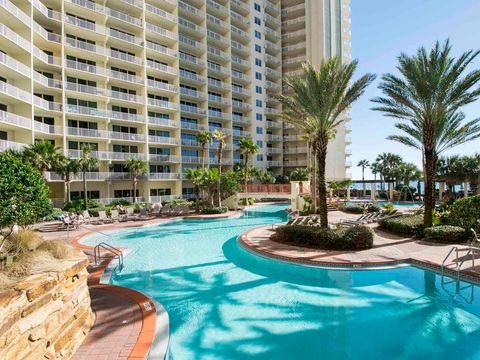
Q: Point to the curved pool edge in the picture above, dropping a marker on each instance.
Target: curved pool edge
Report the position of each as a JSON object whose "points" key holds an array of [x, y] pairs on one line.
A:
{"points": [[245, 243], [154, 335]]}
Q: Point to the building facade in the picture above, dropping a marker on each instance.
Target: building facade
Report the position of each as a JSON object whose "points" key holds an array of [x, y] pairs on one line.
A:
{"points": [[140, 79]]}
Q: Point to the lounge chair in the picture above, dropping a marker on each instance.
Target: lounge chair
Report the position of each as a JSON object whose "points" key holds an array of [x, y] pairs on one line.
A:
{"points": [[114, 216], [156, 209], [166, 210], [103, 218], [87, 218]]}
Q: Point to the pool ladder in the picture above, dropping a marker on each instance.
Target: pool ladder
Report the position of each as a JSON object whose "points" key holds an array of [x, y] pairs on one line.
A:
{"points": [[117, 253]]}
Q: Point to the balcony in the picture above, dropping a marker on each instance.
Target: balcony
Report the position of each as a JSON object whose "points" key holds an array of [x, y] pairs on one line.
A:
{"points": [[271, 86], [193, 94], [89, 133], [192, 77], [48, 13], [164, 69], [47, 59], [190, 142], [11, 145], [92, 69], [14, 65], [218, 115], [217, 38], [126, 57], [218, 84], [117, 135], [217, 54], [240, 7], [15, 120], [118, 15], [219, 100], [161, 32], [15, 92], [163, 158], [14, 38], [162, 140], [274, 163], [85, 89], [192, 29], [191, 126], [123, 116], [161, 13], [269, 59], [161, 122], [239, 20], [273, 125], [240, 35], [271, 21], [191, 60], [190, 11], [85, 110], [85, 25], [193, 160], [119, 75], [120, 95], [192, 109], [241, 119], [164, 176], [241, 133], [161, 49], [83, 45], [161, 85], [241, 105], [192, 45], [217, 8], [167, 105], [271, 137], [47, 129], [125, 156], [132, 40], [272, 48], [46, 35]]}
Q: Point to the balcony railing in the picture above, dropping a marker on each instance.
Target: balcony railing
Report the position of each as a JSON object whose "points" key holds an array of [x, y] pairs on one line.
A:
{"points": [[91, 133], [16, 120], [72, 64], [48, 129], [15, 92]]}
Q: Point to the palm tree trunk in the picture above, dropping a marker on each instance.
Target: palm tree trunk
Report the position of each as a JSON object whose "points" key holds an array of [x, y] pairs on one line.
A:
{"points": [[203, 156], [429, 187], [364, 185], [313, 185], [68, 190], [134, 195], [245, 175], [220, 159], [322, 187], [85, 197]]}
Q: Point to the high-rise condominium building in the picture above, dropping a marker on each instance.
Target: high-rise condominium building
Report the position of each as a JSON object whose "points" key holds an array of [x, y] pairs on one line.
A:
{"points": [[140, 79]]}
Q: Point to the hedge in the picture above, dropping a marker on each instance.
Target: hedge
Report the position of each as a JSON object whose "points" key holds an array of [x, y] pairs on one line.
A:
{"points": [[214, 210], [355, 238], [353, 209], [446, 234], [405, 225], [465, 213]]}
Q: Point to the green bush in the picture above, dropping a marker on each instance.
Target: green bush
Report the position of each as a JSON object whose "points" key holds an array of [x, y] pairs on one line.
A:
{"points": [[388, 206], [78, 205], [94, 211], [178, 202], [54, 215], [352, 209], [214, 210], [23, 192], [446, 234], [372, 208], [356, 238], [465, 213], [121, 202], [405, 225]]}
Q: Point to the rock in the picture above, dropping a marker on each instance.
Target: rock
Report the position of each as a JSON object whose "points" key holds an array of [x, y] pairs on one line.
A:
{"points": [[40, 289], [36, 305]]}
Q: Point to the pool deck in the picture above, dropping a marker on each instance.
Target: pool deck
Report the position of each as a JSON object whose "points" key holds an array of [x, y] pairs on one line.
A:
{"points": [[125, 328], [388, 250]]}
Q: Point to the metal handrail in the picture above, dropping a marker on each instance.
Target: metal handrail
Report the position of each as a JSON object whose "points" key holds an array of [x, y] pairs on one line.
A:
{"points": [[116, 251]]}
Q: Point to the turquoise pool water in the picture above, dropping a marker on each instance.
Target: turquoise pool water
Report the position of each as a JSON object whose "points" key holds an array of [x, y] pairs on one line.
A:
{"points": [[225, 303]]}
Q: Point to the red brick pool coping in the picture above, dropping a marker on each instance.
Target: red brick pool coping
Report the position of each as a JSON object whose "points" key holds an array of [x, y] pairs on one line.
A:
{"points": [[388, 250], [146, 333]]}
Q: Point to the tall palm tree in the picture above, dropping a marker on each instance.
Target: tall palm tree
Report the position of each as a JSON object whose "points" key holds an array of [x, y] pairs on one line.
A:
{"points": [[247, 148], [68, 169], [427, 98], [204, 138], [472, 167], [136, 168], [364, 164], [43, 155], [388, 163], [317, 106], [195, 176], [87, 163], [220, 137]]}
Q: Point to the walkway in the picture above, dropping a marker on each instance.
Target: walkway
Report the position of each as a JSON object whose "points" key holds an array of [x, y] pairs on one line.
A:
{"points": [[388, 249]]}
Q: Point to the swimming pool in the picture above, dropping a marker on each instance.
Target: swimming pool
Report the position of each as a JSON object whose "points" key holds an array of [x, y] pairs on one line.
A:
{"points": [[226, 303], [396, 203]]}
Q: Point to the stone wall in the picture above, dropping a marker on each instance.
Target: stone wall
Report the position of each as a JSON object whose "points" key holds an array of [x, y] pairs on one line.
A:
{"points": [[46, 316]]}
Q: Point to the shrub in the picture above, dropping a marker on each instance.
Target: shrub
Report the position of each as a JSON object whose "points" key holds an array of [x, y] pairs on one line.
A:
{"points": [[388, 206], [359, 237], [251, 201], [405, 225], [59, 249], [372, 208], [465, 213], [446, 234], [23, 192], [54, 215], [352, 209], [178, 202], [94, 211], [78, 205], [214, 210], [121, 202]]}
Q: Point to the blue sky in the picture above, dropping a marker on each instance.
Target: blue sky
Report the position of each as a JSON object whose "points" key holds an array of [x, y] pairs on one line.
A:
{"points": [[381, 30]]}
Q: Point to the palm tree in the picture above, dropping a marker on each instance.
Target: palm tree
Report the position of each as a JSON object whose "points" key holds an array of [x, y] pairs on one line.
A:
{"points": [[220, 137], [364, 164], [247, 148], [427, 98], [136, 168], [317, 107], [388, 163], [472, 167], [68, 169], [195, 176], [204, 138], [87, 163], [43, 155]]}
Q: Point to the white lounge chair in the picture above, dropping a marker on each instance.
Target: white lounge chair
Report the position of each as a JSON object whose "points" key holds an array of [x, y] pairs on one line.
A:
{"points": [[114, 216], [102, 216]]}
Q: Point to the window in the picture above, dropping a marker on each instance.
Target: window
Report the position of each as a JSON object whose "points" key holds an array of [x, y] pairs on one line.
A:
{"points": [[258, 21], [258, 103], [259, 117], [258, 62], [258, 34], [91, 194], [258, 89], [258, 76], [257, 7], [160, 192], [260, 144], [121, 194], [259, 130], [259, 157], [258, 48]]}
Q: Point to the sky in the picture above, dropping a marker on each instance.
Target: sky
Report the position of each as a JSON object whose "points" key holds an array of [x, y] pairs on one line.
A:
{"points": [[381, 30]]}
